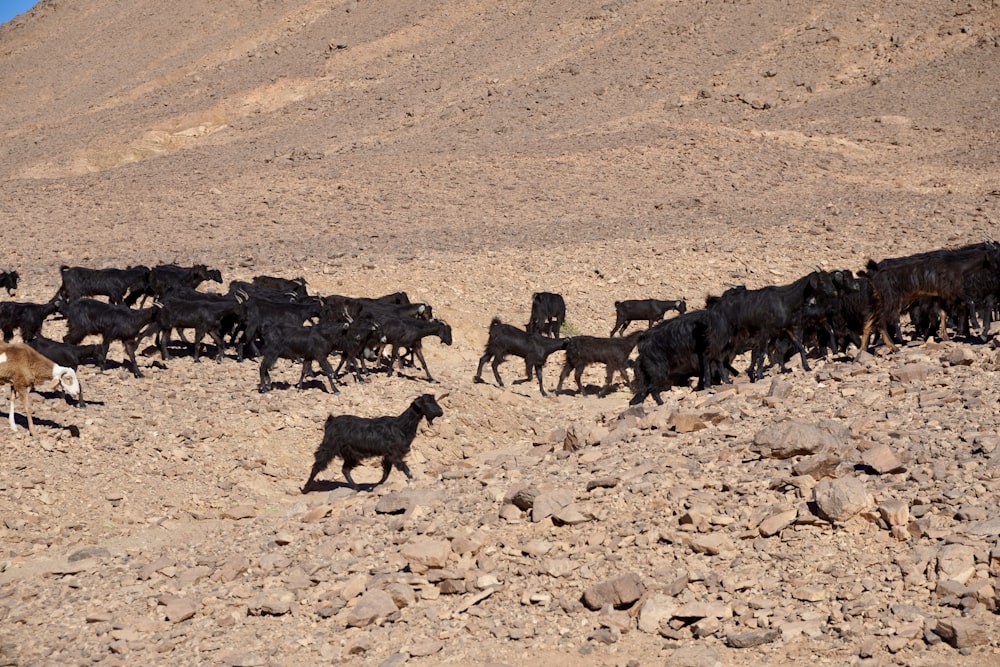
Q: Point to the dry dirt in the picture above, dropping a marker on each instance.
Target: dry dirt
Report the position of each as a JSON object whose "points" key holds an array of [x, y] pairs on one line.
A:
{"points": [[472, 153]]}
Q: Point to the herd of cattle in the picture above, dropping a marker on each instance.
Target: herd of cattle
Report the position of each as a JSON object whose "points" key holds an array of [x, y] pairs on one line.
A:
{"points": [[271, 318]]}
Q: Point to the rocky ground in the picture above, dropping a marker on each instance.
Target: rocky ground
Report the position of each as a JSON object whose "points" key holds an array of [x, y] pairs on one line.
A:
{"points": [[472, 154]]}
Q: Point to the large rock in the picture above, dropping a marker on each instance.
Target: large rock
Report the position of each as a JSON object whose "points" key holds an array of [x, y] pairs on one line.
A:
{"points": [[883, 460], [963, 632], [375, 606], [787, 439], [618, 592], [841, 499], [424, 553], [956, 562], [655, 610]]}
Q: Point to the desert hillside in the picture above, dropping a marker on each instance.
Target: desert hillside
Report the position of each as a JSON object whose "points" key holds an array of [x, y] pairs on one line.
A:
{"points": [[472, 154]]}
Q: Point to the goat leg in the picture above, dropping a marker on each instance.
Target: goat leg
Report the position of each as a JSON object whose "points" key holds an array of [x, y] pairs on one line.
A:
{"points": [[327, 369], [563, 375], [496, 369], [418, 351], [403, 468], [265, 376], [538, 372], [24, 396], [478, 377], [610, 376], [346, 469], [130, 346], [10, 415], [386, 469]]}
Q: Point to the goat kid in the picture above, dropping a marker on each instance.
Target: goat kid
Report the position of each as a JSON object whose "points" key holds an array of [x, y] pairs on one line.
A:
{"points": [[8, 280], [505, 339], [548, 312], [581, 351], [651, 310]]}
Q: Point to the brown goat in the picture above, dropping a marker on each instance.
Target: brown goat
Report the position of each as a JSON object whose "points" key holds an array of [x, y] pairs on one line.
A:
{"points": [[23, 368]]}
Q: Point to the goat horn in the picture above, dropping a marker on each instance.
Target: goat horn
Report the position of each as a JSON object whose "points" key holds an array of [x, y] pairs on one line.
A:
{"points": [[444, 396]]}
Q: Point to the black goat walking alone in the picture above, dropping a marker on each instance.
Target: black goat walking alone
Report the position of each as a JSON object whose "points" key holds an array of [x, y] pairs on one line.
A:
{"points": [[355, 438]]}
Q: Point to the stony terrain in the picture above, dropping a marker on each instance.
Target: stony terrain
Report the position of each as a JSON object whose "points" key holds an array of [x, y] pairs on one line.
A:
{"points": [[473, 153]]}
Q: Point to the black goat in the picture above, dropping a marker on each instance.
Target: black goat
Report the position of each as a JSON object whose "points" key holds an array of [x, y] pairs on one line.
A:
{"points": [[166, 278], [293, 287], [8, 280], [939, 273], [356, 438], [315, 344], [409, 333], [651, 310], [213, 315], [363, 337], [582, 351], [119, 285], [505, 339], [112, 322], [70, 356], [263, 313], [671, 353], [28, 317], [751, 319], [548, 312]]}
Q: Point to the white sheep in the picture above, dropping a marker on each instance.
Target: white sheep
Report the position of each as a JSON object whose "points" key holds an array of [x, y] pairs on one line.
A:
{"points": [[23, 368]]}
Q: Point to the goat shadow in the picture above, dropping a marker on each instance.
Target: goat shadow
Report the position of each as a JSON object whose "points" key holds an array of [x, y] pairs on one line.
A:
{"points": [[592, 390], [21, 420], [321, 485], [318, 383], [56, 394], [178, 350], [413, 378]]}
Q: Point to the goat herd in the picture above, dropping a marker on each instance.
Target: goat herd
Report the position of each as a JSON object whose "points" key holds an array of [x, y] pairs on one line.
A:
{"points": [[274, 318]]}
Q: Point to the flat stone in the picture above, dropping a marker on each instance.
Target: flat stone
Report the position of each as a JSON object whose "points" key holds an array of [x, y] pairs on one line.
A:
{"points": [[655, 610], [704, 610], [426, 648], [424, 553], [551, 502], [89, 552], [180, 609], [618, 592], [277, 602], [752, 638], [883, 460], [911, 373], [787, 439], [240, 512], [956, 562], [695, 655], [988, 527], [712, 544], [962, 632], [374, 607], [776, 523]]}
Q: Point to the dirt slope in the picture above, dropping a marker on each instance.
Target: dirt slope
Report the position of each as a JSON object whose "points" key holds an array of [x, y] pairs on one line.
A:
{"points": [[473, 153]]}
